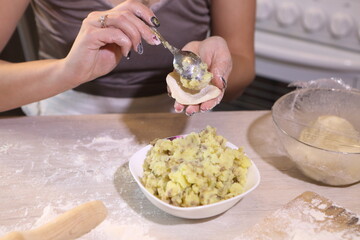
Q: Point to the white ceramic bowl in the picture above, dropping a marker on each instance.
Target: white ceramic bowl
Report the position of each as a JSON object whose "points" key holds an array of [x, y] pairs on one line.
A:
{"points": [[205, 211]]}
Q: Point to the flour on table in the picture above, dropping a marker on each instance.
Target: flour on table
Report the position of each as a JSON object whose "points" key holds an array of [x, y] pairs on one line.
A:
{"points": [[113, 231], [4, 148], [307, 220], [58, 184], [109, 229], [107, 143]]}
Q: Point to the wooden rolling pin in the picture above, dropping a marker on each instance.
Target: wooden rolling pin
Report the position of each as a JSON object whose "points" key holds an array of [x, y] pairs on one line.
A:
{"points": [[69, 225]]}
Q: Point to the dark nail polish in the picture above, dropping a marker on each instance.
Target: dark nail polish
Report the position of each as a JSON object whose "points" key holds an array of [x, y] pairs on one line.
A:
{"points": [[168, 91], [156, 40], [224, 83], [189, 114], [155, 21], [128, 55], [140, 49]]}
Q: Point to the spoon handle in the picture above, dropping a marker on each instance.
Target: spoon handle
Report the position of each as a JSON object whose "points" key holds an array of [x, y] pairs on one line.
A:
{"points": [[165, 43]]}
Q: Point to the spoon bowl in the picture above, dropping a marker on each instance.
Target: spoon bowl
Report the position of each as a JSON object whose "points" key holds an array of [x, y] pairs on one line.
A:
{"points": [[187, 64]]}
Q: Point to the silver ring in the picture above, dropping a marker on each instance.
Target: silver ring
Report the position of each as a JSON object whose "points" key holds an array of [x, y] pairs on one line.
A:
{"points": [[102, 21]]}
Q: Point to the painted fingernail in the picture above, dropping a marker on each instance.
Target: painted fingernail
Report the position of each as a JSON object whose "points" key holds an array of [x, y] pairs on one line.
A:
{"points": [[140, 49], [156, 40], [155, 21], [204, 110], [224, 83], [189, 114], [128, 55], [169, 92]]}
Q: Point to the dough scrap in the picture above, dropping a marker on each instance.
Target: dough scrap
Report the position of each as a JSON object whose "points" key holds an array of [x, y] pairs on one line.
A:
{"points": [[187, 96]]}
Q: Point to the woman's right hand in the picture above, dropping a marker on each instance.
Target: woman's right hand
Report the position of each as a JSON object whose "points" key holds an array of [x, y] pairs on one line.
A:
{"points": [[98, 48], [95, 52]]}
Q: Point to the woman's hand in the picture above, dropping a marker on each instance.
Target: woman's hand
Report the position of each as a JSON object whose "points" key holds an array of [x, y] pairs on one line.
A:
{"points": [[215, 53], [105, 37]]}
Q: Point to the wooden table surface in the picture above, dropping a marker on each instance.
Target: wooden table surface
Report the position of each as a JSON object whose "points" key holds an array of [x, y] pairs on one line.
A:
{"points": [[50, 164]]}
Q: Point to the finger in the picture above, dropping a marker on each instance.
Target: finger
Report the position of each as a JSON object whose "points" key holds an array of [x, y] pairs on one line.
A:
{"points": [[192, 109], [109, 19], [168, 91], [125, 22], [132, 26], [103, 36], [220, 65], [178, 107], [193, 46], [210, 104], [141, 11], [219, 60], [147, 17]]}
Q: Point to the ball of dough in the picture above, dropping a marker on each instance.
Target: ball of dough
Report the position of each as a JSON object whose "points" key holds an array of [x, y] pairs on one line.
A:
{"points": [[188, 96], [332, 133]]}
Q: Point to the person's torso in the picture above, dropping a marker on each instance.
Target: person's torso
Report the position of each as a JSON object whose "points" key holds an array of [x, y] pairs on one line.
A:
{"points": [[59, 21]]}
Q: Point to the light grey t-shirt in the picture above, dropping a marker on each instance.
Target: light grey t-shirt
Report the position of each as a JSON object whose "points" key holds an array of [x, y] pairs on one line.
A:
{"points": [[59, 21]]}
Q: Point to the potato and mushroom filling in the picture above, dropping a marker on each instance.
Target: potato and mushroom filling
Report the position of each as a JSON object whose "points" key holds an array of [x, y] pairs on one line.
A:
{"points": [[195, 170], [194, 83]]}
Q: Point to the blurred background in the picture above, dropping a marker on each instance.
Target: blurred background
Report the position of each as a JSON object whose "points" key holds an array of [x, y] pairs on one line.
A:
{"points": [[294, 41]]}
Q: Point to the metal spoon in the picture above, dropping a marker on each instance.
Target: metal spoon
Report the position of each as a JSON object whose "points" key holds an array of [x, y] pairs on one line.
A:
{"points": [[186, 63]]}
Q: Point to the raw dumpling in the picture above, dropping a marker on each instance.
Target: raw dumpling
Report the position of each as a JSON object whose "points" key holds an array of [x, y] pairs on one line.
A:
{"points": [[188, 96]]}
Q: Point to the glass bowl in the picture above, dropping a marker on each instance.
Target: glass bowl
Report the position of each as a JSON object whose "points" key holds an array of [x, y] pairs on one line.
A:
{"points": [[296, 118]]}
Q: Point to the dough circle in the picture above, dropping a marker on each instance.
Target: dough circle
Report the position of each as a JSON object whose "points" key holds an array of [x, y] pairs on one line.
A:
{"points": [[187, 96]]}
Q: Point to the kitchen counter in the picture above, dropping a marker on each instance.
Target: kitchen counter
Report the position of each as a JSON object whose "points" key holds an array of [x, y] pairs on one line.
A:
{"points": [[50, 164]]}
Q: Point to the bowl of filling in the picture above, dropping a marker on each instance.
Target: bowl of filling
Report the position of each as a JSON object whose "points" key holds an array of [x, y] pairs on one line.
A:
{"points": [[194, 176], [320, 131]]}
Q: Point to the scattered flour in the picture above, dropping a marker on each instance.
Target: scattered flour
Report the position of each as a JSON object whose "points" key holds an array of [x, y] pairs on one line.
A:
{"points": [[109, 229], [57, 184], [114, 231], [302, 221], [316, 202], [49, 213], [322, 206], [316, 215], [309, 234], [5, 148], [93, 161], [106, 143]]}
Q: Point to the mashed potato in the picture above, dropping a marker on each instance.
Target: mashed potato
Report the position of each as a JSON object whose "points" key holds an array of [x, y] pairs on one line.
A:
{"points": [[195, 170], [194, 83], [198, 84]]}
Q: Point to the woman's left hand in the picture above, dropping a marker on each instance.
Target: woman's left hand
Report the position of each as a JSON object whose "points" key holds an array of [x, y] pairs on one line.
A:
{"points": [[215, 53]]}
